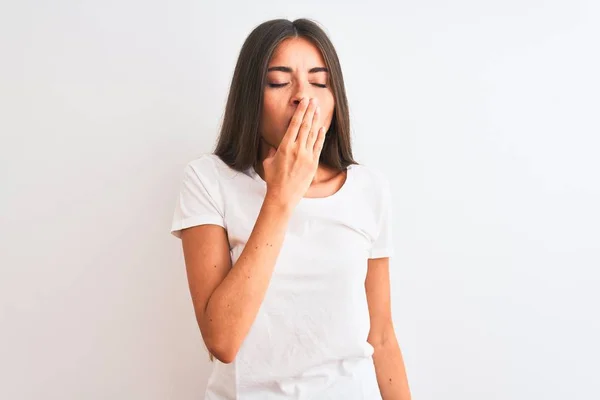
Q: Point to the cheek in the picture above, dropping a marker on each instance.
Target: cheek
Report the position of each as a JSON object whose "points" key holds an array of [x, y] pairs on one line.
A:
{"points": [[272, 111], [327, 105], [268, 114], [272, 118], [267, 107]]}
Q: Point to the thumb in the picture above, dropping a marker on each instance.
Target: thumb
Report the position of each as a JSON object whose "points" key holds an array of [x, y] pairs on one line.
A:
{"points": [[271, 152], [269, 158]]}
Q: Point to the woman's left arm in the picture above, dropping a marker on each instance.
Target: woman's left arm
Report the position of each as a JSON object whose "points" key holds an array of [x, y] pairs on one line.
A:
{"points": [[389, 364]]}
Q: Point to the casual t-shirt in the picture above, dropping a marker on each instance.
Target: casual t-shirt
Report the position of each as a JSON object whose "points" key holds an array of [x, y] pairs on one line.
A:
{"points": [[309, 339]]}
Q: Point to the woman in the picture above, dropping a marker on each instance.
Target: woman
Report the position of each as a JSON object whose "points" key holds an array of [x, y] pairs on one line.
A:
{"points": [[286, 238]]}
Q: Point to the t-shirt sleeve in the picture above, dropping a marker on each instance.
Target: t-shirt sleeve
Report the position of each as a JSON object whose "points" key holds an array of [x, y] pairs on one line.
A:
{"points": [[382, 245], [199, 201]]}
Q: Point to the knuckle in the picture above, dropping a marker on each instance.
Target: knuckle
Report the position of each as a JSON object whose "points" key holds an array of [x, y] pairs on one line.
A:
{"points": [[291, 151]]}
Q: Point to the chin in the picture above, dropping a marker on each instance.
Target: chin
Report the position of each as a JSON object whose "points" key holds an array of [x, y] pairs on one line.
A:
{"points": [[271, 142]]}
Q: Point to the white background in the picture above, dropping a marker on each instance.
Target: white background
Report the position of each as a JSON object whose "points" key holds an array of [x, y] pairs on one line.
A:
{"points": [[483, 113]]}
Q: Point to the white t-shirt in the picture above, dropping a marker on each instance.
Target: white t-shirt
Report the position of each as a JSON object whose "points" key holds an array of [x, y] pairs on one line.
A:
{"points": [[309, 339]]}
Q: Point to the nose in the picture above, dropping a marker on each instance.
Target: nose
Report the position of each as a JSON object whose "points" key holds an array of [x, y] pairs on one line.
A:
{"points": [[302, 91], [297, 98]]}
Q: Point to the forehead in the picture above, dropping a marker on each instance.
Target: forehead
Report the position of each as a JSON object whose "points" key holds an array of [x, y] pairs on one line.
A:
{"points": [[297, 52]]}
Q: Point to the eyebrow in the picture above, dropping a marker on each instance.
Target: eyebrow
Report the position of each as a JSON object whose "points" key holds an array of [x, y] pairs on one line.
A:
{"points": [[289, 70]]}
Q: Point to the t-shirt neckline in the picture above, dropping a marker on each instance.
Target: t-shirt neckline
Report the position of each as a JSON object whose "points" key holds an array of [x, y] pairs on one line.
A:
{"points": [[256, 177]]}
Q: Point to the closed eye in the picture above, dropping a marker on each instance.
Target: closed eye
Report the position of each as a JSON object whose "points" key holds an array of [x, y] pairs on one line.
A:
{"points": [[278, 85]]}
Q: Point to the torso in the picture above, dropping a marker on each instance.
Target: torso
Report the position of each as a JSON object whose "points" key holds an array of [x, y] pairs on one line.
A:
{"points": [[309, 337]]}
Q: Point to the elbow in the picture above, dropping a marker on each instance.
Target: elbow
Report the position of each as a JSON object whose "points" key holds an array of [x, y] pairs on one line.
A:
{"points": [[219, 340], [221, 346], [224, 351]]}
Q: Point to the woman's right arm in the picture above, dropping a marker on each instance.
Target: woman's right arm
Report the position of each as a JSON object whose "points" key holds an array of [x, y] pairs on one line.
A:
{"points": [[227, 299]]}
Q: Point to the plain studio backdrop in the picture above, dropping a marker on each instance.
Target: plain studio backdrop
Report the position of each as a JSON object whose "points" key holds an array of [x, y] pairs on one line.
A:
{"points": [[483, 114]]}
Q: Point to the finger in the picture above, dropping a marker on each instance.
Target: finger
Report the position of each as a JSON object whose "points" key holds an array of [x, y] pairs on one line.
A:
{"points": [[319, 143], [306, 123], [314, 130], [292, 131], [271, 152]]}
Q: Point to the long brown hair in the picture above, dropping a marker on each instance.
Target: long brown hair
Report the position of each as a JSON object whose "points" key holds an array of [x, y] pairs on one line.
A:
{"points": [[239, 138]]}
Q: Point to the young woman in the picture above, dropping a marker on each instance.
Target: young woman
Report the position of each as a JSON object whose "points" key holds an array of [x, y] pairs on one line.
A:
{"points": [[287, 238]]}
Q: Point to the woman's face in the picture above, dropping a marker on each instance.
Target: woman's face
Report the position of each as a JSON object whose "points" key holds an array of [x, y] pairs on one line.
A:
{"points": [[296, 70]]}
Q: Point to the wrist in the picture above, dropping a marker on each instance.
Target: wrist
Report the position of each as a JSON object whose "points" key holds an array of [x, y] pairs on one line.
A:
{"points": [[274, 201]]}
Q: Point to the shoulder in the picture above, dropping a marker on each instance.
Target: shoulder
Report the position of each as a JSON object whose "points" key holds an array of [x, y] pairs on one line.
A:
{"points": [[209, 166], [370, 178], [206, 163]]}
